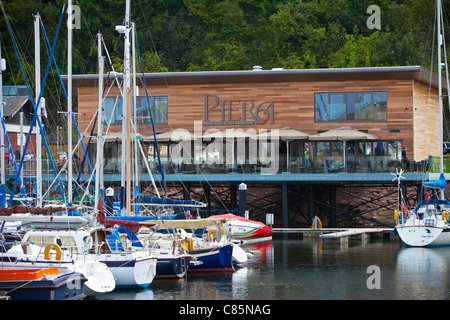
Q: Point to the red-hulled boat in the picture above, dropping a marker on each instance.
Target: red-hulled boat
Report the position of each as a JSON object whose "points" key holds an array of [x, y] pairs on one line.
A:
{"points": [[244, 230]]}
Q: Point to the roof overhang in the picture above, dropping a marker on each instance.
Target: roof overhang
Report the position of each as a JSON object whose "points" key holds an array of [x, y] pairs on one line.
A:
{"points": [[266, 76]]}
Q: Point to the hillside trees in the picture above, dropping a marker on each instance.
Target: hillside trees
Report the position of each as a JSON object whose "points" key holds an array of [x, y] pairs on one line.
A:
{"points": [[203, 35]]}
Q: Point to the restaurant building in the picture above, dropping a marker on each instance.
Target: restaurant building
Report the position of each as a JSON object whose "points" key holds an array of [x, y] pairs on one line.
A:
{"points": [[398, 105], [393, 108]]}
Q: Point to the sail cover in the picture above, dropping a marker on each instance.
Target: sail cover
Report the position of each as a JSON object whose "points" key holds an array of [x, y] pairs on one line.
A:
{"points": [[438, 184], [2, 196], [165, 201]]}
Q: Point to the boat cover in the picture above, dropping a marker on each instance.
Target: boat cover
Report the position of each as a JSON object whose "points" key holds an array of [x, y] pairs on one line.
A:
{"points": [[166, 201], [439, 184]]}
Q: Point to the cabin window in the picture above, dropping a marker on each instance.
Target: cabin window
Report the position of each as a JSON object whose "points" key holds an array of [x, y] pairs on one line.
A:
{"points": [[350, 106], [42, 241]]}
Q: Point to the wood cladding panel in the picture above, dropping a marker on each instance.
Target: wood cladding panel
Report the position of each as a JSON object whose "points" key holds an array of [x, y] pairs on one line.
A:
{"points": [[293, 105]]}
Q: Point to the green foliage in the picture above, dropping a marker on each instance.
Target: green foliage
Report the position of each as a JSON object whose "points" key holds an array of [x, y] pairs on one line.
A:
{"points": [[198, 35]]}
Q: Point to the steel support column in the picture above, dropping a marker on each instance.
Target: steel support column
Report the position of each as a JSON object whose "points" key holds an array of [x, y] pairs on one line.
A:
{"points": [[285, 205]]}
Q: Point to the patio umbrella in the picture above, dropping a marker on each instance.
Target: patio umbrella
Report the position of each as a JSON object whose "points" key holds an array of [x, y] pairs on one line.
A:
{"points": [[174, 135], [286, 134], [230, 134], [343, 134]]}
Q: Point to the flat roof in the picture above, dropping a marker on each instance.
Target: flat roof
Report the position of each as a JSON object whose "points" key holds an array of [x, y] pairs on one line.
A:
{"points": [[276, 75]]}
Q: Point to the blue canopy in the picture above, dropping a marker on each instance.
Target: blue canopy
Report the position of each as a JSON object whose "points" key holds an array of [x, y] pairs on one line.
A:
{"points": [[435, 202], [439, 184]]}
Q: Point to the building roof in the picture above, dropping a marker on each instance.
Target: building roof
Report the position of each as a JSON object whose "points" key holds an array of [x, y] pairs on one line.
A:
{"points": [[276, 75], [13, 105]]}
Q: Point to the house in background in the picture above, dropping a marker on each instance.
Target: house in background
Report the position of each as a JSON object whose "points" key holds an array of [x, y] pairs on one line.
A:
{"points": [[17, 101]]}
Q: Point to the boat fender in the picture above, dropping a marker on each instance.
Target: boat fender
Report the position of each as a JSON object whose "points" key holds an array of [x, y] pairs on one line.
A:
{"points": [[210, 235], [52, 246], [396, 215], [190, 244], [445, 215], [88, 243]]}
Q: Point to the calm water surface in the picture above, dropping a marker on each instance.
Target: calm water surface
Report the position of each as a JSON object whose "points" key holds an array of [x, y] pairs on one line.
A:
{"points": [[291, 269]]}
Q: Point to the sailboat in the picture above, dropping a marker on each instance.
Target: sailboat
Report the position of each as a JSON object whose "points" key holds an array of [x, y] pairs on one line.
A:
{"points": [[244, 230], [41, 284], [428, 224], [97, 278]]}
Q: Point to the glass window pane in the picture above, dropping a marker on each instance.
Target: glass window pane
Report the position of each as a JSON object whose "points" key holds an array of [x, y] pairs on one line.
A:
{"points": [[160, 113], [337, 109], [350, 106], [364, 107], [321, 107], [118, 112], [143, 112], [108, 107], [158, 109], [380, 106]]}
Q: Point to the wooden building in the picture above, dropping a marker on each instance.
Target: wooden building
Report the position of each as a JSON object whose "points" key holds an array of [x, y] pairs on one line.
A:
{"points": [[393, 103], [398, 105]]}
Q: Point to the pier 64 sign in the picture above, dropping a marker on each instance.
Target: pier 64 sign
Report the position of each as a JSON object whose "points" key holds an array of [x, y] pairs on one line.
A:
{"points": [[237, 112]]}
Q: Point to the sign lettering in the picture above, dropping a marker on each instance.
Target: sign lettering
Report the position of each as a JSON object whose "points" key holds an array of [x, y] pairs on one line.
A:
{"points": [[226, 112]]}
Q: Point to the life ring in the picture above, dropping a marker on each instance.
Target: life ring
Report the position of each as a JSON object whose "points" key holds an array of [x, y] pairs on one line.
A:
{"points": [[445, 215], [55, 247], [189, 216], [319, 223], [212, 237]]}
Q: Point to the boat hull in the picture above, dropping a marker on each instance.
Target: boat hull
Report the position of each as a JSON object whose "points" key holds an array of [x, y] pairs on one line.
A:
{"points": [[68, 286], [131, 273], [243, 230], [99, 278], [213, 259], [422, 236], [172, 267]]}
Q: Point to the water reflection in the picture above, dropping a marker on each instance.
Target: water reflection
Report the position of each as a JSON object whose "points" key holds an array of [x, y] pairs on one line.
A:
{"points": [[313, 269], [422, 273]]}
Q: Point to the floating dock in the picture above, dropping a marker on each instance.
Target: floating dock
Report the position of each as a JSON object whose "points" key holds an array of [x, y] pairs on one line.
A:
{"points": [[342, 234]]}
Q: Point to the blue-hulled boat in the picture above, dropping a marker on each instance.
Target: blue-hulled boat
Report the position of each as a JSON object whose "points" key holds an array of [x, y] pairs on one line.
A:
{"points": [[213, 259], [42, 284], [211, 252]]}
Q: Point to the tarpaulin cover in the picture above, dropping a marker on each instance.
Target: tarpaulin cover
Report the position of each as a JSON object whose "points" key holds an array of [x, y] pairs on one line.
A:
{"points": [[109, 223], [440, 184]]}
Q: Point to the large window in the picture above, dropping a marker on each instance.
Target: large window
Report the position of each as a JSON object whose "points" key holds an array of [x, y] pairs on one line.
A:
{"points": [[350, 106], [112, 110]]}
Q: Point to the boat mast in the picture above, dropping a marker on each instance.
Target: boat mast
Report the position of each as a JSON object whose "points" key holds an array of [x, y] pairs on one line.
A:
{"points": [[37, 66], [126, 113], [2, 133], [99, 160], [135, 93], [69, 101], [441, 135]]}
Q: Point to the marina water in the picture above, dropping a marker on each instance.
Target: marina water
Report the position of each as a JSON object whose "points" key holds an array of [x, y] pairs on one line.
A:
{"points": [[304, 269]]}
